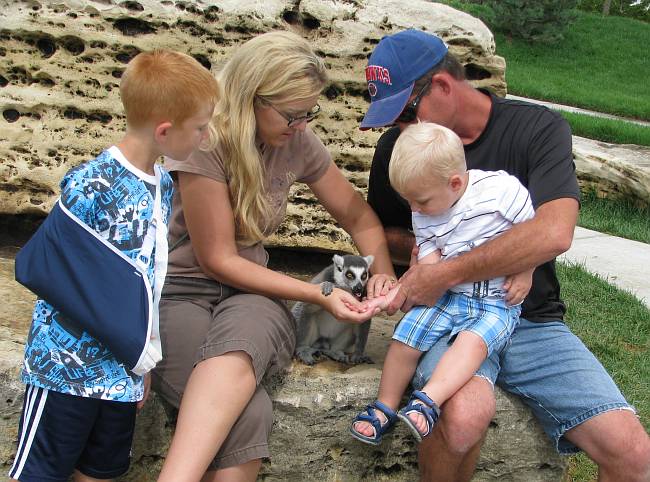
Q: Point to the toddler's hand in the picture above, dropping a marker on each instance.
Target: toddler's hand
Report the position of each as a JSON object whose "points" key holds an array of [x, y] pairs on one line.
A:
{"points": [[517, 287], [147, 389], [380, 303], [414, 255]]}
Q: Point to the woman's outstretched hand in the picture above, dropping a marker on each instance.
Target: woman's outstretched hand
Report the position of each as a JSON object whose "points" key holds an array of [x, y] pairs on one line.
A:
{"points": [[345, 307]]}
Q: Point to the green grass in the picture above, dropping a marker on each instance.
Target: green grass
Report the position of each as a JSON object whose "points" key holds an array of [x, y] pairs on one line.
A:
{"points": [[617, 217], [607, 130], [616, 328], [603, 64]]}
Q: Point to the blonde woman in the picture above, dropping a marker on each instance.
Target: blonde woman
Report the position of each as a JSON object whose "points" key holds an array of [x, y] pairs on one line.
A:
{"points": [[224, 325]]}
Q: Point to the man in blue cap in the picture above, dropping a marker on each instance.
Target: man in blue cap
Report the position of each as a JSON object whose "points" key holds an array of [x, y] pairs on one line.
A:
{"points": [[412, 77]]}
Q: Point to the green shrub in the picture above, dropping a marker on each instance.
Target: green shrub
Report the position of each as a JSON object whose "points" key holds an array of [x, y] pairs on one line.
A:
{"points": [[639, 10], [543, 21], [479, 9]]}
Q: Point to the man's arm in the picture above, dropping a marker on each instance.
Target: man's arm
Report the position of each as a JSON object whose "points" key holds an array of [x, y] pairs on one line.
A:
{"points": [[400, 244], [524, 246]]}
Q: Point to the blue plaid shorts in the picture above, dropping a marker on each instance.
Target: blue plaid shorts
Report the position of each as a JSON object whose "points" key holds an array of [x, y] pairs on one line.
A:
{"points": [[492, 320]]}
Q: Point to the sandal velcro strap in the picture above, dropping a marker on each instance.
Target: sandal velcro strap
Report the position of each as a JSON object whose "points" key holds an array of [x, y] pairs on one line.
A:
{"points": [[389, 412], [370, 415], [423, 397], [428, 409]]}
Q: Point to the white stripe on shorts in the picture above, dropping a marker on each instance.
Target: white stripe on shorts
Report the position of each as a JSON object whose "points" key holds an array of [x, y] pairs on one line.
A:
{"points": [[35, 397]]}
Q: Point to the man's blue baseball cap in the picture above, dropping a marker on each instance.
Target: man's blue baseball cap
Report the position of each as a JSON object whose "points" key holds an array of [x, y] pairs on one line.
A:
{"points": [[396, 63]]}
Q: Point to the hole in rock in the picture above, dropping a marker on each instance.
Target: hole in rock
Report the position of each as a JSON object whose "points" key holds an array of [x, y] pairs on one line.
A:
{"points": [[11, 115], [311, 23], [203, 60], [290, 16], [135, 6], [127, 54], [333, 91], [476, 72], [133, 26], [46, 46], [73, 44], [73, 113], [99, 116]]}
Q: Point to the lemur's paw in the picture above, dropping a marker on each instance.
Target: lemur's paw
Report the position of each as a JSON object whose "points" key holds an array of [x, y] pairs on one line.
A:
{"points": [[359, 359], [307, 357], [326, 287]]}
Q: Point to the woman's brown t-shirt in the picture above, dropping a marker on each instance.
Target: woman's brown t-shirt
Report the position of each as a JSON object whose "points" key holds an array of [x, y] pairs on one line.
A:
{"points": [[303, 158]]}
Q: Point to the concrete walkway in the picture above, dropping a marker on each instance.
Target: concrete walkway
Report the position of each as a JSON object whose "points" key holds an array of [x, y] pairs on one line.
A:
{"points": [[578, 110], [620, 261]]}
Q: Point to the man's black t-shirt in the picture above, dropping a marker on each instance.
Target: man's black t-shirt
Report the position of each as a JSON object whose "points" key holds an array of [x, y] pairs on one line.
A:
{"points": [[526, 140]]}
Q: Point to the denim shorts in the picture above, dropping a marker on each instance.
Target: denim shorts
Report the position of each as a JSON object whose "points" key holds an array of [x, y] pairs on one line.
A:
{"points": [[553, 373], [490, 319]]}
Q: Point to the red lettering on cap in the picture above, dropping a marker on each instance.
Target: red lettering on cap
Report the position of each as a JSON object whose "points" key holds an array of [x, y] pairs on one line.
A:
{"points": [[377, 73], [386, 76]]}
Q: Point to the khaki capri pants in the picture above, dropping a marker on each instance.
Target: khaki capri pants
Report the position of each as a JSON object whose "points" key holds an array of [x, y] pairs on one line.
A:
{"points": [[201, 319]]}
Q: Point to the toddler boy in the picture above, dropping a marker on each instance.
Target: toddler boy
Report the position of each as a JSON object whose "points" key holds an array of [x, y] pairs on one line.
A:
{"points": [[454, 210]]}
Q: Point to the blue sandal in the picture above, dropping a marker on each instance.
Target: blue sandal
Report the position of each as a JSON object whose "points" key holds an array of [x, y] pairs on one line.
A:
{"points": [[370, 415], [422, 404]]}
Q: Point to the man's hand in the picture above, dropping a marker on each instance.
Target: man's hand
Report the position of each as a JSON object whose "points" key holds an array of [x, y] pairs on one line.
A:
{"points": [[422, 284]]}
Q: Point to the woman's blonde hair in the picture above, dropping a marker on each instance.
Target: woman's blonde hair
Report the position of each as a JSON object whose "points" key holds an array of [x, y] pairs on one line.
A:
{"points": [[425, 151], [273, 68]]}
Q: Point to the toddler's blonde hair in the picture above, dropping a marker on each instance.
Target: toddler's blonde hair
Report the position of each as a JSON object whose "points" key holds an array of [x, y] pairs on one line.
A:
{"points": [[425, 151]]}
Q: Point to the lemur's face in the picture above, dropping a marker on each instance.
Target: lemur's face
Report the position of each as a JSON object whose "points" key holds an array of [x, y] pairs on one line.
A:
{"points": [[351, 273]]}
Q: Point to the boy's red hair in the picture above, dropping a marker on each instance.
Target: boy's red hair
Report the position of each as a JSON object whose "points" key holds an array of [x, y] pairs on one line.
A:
{"points": [[164, 85]]}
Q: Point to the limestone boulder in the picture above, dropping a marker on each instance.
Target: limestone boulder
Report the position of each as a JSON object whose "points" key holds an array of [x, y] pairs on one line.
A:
{"points": [[61, 62], [616, 171], [313, 407]]}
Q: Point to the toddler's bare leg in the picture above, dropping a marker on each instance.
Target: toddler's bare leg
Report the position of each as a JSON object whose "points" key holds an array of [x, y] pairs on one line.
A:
{"points": [[456, 367], [399, 366]]}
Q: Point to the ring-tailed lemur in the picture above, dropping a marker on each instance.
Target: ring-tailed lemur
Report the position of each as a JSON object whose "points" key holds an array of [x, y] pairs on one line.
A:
{"points": [[318, 331]]}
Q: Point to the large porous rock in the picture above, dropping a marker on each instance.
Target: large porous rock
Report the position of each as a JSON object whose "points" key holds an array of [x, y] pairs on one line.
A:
{"points": [[310, 441], [61, 62], [616, 171], [313, 408]]}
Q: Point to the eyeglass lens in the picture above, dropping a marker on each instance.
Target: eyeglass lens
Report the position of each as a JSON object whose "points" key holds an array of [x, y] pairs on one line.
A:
{"points": [[310, 116], [410, 111]]}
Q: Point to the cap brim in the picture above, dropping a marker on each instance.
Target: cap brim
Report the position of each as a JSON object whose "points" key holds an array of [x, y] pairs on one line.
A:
{"points": [[383, 112]]}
